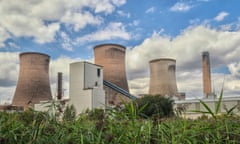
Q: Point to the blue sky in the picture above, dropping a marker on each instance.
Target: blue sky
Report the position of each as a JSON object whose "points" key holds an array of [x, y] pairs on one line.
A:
{"points": [[67, 30]]}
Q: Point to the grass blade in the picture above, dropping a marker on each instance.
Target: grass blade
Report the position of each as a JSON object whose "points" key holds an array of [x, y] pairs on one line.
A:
{"points": [[209, 111], [230, 111], [219, 102]]}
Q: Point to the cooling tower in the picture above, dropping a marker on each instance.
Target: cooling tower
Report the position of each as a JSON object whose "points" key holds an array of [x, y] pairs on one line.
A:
{"points": [[206, 74], [33, 81], [112, 58], [162, 77]]}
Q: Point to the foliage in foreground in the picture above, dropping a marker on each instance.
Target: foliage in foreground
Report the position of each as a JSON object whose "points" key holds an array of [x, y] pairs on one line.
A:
{"points": [[115, 126], [154, 106]]}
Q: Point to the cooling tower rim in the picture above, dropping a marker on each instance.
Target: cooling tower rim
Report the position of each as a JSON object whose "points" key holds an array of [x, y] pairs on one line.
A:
{"points": [[109, 44], [162, 59], [205, 53], [30, 53]]}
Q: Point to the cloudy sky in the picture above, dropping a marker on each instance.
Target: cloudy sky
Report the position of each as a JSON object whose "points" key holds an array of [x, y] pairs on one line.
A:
{"points": [[67, 30]]}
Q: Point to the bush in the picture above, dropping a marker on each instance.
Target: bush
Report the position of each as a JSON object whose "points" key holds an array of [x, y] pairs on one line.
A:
{"points": [[95, 114], [155, 106], [69, 113]]}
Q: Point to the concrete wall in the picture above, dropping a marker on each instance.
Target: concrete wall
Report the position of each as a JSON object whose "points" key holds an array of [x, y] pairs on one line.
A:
{"points": [[86, 86], [93, 76], [192, 105]]}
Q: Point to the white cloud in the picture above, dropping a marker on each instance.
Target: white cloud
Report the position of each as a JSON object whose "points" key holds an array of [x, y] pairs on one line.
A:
{"points": [[186, 48], [234, 68], [139, 86], [3, 36], [8, 75], [16, 20], [41, 19], [46, 34], [66, 42], [150, 10], [6, 94], [118, 2], [103, 6], [106, 6], [13, 45], [180, 7], [135, 22], [9, 68], [80, 20], [221, 16], [195, 21], [112, 31], [123, 14]]}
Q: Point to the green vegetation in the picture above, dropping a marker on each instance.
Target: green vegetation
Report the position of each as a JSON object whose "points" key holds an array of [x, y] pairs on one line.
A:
{"points": [[118, 125], [155, 106], [216, 112]]}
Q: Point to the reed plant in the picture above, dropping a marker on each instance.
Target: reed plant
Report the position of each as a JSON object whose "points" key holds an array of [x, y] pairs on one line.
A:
{"points": [[117, 126]]}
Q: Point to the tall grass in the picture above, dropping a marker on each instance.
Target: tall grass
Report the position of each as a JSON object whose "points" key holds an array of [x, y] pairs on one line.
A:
{"points": [[116, 126], [217, 111]]}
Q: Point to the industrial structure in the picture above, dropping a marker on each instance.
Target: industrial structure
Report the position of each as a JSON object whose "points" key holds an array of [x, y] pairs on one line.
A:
{"points": [[187, 108], [59, 86], [162, 77], [86, 86], [33, 82], [105, 82], [207, 91], [112, 58]]}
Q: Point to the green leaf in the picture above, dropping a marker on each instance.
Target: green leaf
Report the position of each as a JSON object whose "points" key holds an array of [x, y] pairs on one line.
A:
{"points": [[209, 111], [219, 102], [198, 111], [233, 108]]}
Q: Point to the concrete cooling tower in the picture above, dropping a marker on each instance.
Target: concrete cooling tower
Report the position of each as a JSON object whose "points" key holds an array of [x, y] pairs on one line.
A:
{"points": [[33, 81], [206, 74], [162, 77], [112, 58]]}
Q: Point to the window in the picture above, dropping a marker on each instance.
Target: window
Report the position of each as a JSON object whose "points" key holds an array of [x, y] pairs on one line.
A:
{"points": [[98, 72]]}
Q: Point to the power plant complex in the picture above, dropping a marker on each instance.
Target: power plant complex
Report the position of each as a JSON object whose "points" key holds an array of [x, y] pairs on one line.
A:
{"points": [[91, 85], [103, 83]]}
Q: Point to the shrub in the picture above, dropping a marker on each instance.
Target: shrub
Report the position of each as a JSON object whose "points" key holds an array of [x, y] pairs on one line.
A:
{"points": [[69, 113], [155, 106], [95, 114]]}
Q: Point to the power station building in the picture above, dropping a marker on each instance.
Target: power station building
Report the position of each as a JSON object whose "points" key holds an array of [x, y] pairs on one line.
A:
{"points": [[33, 82], [112, 58], [206, 71], [163, 77], [86, 86]]}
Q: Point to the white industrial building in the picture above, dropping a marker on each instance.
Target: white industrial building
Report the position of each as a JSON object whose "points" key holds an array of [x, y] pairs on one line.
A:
{"points": [[190, 105], [86, 86]]}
